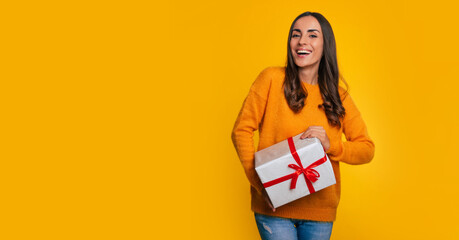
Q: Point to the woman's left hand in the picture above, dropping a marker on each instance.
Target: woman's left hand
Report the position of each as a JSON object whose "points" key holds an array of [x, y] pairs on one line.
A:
{"points": [[318, 132]]}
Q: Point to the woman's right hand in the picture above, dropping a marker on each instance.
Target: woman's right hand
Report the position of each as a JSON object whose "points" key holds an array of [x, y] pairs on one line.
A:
{"points": [[265, 196]]}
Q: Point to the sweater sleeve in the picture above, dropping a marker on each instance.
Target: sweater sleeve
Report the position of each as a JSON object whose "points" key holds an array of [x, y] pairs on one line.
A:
{"points": [[248, 121], [359, 148]]}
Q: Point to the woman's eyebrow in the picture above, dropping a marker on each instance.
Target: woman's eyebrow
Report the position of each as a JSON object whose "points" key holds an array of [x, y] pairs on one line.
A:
{"points": [[309, 30]]}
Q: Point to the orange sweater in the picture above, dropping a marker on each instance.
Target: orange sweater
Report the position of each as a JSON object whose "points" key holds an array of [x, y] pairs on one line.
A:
{"points": [[265, 109]]}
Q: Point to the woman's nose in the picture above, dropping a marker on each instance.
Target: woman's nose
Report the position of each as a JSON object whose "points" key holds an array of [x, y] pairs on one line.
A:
{"points": [[303, 40]]}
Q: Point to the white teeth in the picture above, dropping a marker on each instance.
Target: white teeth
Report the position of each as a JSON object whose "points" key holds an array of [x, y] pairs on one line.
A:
{"points": [[303, 51]]}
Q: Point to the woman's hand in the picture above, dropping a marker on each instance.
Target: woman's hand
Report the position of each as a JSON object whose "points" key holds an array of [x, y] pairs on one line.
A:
{"points": [[318, 132], [264, 194]]}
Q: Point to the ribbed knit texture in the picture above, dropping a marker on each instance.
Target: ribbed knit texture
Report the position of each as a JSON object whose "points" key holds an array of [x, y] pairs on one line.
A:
{"points": [[265, 109]]}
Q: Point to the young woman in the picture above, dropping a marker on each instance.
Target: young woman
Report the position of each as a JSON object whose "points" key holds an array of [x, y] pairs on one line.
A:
{"points": [[303, 97]]}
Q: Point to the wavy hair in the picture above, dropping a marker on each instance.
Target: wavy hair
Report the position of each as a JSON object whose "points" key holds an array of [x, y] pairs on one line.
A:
{"points": [[328, 79]]}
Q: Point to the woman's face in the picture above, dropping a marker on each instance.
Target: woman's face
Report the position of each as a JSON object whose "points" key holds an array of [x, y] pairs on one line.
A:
{"points": [[307, 42]]}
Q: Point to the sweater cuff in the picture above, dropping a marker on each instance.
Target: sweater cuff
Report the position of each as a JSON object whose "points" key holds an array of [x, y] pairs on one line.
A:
{"points": [[258, 186], [258, 189], [336, 147]]}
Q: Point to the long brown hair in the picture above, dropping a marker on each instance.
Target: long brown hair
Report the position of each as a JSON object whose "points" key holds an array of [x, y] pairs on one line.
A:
{"points": [[328, 80]]}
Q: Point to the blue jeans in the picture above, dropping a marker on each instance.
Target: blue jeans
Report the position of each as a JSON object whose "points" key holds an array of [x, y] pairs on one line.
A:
{"points": [[276, 228]]}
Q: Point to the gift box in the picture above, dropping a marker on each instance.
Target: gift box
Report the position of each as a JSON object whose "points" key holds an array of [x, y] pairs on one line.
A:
{"points": [[294, 168]]}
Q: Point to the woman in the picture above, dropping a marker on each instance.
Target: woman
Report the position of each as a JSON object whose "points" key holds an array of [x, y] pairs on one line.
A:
{"points": [[303, 97]]}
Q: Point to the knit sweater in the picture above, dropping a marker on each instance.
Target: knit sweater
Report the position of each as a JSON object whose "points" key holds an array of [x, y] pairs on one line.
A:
{"points": [[265, 109]]}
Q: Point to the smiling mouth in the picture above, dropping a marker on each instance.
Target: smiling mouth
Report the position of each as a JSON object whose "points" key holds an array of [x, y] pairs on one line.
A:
{"points": [[303, 52]]}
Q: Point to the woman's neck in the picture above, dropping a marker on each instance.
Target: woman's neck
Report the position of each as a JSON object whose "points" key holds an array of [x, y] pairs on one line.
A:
{"points": [[309, 75]]}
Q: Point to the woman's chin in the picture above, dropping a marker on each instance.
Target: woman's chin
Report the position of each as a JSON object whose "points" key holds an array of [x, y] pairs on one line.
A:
{"points": [[304, 64]]}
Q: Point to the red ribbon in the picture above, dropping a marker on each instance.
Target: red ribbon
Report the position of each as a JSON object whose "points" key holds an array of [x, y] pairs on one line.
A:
{"points": [[310, 175]]}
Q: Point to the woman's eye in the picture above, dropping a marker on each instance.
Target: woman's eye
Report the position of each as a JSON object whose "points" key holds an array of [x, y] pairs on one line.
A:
{"points": [[314, 36], [295, 35]]}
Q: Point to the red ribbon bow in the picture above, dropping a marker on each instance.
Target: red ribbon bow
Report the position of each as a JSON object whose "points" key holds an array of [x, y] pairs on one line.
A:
{"points": [[310, 175]]}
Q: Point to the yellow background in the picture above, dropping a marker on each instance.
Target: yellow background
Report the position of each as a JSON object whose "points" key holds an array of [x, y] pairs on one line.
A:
{"points": [[117, 115]]}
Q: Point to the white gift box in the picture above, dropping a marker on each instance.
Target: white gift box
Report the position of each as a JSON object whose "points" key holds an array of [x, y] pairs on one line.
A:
{"points": [[277, 168]]}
